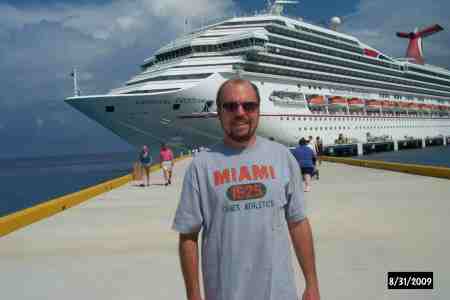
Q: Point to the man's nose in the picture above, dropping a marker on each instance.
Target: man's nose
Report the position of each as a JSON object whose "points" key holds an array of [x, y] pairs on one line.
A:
{"points": [[240, 110]]}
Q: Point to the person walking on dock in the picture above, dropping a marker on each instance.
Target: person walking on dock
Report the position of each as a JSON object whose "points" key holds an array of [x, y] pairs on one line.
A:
{"points": [[319, 150], [245, 195], [305, 158], [146, 162], [311, 143], [167, 163]]}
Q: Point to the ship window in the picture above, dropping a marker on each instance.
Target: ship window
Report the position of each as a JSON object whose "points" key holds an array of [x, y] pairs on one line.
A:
{"points": [[176, 106], [109, 108], [172, 77]]}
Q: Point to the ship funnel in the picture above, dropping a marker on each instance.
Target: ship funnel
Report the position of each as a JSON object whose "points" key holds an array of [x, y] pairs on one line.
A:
{"points": [[415, 50]]}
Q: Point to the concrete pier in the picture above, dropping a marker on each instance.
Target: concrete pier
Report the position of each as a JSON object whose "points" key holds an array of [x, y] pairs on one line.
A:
{"points": [[119, 245]]}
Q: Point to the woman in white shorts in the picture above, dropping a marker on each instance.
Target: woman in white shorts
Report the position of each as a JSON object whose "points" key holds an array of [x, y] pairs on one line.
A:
{"points": [[166, 159]]}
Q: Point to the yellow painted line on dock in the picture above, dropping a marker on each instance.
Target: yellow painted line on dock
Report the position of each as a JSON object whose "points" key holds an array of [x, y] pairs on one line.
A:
{"points": [[51, 207], [431, 171]]}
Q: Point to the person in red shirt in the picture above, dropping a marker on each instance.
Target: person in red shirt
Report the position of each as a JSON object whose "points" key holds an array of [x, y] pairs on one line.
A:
{"points": [[166, 161]]}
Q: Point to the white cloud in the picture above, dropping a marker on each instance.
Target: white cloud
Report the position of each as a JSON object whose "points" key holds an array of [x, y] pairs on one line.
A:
{"points": [[39, 46], [111, 20], [40, 43], [376, 22]]}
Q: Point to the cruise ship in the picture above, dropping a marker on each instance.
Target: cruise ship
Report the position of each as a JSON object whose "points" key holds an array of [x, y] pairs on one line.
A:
{"points": [[313, 81]]}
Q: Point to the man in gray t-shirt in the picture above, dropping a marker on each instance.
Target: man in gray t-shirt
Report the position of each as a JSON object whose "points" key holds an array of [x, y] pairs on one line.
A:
{"points": [[246, 197]]}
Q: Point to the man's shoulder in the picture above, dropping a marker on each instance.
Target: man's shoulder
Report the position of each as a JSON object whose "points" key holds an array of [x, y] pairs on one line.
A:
{"points": [[277, 151], [202, 157], [273, 145]]}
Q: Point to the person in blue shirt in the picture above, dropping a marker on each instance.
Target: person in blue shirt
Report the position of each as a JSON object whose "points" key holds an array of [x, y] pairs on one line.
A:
{"points": [[305, 158], [146, 162]]}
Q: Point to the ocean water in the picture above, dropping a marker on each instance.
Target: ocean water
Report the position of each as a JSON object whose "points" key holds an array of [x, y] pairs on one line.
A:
{"points": [[25, 182]]}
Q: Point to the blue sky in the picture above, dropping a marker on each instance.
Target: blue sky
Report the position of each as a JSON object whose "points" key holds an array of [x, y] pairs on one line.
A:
{"points": [[40, 41]]}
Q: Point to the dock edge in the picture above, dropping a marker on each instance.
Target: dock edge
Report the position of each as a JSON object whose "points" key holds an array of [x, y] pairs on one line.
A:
{"points": [[28, 216], [430, 171]]}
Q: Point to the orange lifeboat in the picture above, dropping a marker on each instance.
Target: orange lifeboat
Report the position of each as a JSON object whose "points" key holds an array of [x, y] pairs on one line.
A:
{"points": [[316, 101], [424, 108], [373, 105], [337, 102], [443, 108], [413, 107], [356, 104], [396, 106], [434, 108], [387, 105], [403, 106]]}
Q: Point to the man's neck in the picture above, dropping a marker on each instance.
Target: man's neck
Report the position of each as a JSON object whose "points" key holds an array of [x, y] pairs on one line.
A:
{"points": [[239, 145]]}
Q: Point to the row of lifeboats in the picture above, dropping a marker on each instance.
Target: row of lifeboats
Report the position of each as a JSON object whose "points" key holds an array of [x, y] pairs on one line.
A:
{"points": [[338, 103]]}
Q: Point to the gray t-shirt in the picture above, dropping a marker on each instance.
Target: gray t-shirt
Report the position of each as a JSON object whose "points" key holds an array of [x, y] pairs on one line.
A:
{"points": [[242, 200]]}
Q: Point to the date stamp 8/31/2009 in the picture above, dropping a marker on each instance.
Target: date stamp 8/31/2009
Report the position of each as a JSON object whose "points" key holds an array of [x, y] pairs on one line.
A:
{"points": [[410, 280]]}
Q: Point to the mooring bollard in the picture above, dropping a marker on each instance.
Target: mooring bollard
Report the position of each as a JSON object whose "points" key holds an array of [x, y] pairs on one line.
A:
{"points": [[396, 145], [360, 149]]}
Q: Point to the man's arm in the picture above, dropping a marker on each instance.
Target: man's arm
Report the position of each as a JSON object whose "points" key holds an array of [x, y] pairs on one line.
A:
{"points": [[188, 250], [302, 240]]}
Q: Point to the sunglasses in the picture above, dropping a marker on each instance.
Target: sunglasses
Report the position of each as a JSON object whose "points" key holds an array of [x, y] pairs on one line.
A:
{"points": [[246, 106]]}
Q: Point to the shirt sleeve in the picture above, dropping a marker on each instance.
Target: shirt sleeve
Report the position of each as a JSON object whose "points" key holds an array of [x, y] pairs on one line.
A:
{"points": [[188, 216], [295, 208]]}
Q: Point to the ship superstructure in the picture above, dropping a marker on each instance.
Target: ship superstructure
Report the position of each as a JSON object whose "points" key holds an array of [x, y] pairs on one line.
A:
{"points": [[313, 81]]}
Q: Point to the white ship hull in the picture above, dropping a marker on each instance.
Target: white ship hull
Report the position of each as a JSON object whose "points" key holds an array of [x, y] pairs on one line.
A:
{"points": [[151, 119], [172, 99]]}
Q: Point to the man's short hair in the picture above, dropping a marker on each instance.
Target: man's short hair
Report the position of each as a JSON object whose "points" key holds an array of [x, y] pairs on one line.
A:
{"points": [[302, 142], [234, 81]]}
